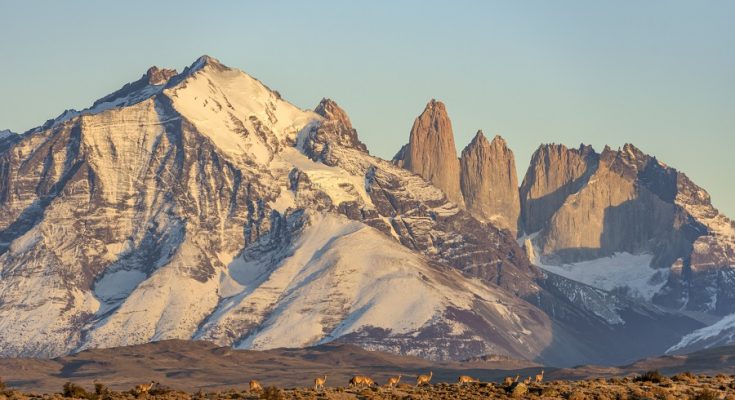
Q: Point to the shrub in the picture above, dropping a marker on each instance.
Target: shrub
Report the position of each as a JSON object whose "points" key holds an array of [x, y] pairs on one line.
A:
{"points": [[2, 384], [650, 376], [272, 393], [100, 389], [706, 394], [75, 391], [577, 395]]}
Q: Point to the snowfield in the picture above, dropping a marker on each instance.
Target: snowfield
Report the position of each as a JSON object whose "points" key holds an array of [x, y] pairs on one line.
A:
{"points": [[622, 271], [718, 334]]}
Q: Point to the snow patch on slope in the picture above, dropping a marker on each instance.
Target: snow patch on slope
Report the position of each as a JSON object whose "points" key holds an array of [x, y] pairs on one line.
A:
{"points": [[168, 305], [720, 333], [340, 277], [339, 185], [117, 285], [625, 271]]}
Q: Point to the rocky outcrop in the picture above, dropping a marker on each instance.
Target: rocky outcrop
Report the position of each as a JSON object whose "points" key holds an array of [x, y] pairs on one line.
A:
{"points": [[7, 138], [159, 76], [6, 133], [431, 152], [153, 80], [555, 172], [489, 183], [329, 109], [341, 131]]}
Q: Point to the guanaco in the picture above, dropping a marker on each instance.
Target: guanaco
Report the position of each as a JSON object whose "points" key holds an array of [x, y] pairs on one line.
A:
{"points": [[393, 381], [359, 380], [527, 381], [319, 382], [466, 379], [255, 386], [143, 388], [424, 379], [356, 380], [508, 381], [540, 377]]}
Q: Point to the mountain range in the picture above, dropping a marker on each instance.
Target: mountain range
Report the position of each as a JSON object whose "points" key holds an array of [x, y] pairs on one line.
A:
{"points": [[202, 205]]}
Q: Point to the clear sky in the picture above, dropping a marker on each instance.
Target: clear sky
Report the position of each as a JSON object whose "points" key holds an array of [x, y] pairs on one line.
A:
{"points": [[659, 74]]}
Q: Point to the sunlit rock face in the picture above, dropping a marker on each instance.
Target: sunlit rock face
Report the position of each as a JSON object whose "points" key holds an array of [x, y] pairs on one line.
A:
{"points": [[581, 206], [431, 152], [489, 183], [555, 172]]}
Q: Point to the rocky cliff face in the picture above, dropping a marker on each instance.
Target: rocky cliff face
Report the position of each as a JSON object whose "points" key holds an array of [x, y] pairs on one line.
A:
{"points": [[586, 206], [431, 152], [555, 173], [489, 183]]}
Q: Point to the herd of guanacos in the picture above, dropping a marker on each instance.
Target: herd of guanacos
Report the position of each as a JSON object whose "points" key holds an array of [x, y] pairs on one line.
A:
{"points": [[366, 381]]}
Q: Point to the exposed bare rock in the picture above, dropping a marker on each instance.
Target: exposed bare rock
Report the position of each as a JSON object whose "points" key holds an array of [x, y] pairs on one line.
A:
{"points": [[489, 182], [7, 138], [611, 213], [159, 76], [337, 127], [6, 133], [627, 201], [431, 152], [555, 173], [329, 109]]}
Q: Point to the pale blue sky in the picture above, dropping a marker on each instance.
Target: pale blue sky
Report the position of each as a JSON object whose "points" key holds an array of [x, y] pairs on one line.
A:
{"points": [[659, 74]]}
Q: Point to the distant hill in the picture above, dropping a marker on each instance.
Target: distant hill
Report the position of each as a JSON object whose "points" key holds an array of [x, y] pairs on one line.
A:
{"points": [[194, 365]]}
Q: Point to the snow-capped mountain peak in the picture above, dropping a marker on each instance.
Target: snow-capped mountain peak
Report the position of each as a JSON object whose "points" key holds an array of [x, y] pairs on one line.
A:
{"points": [[202, 205]]}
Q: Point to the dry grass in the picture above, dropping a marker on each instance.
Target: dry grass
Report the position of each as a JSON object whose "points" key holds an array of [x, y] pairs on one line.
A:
{"points": [[651, 385]]}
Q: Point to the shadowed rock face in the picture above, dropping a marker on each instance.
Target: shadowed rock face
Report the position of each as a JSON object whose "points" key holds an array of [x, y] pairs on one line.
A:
{"points": [[489, 183], [431, 152], [610, 213], [586, 206], [555, 173]]}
